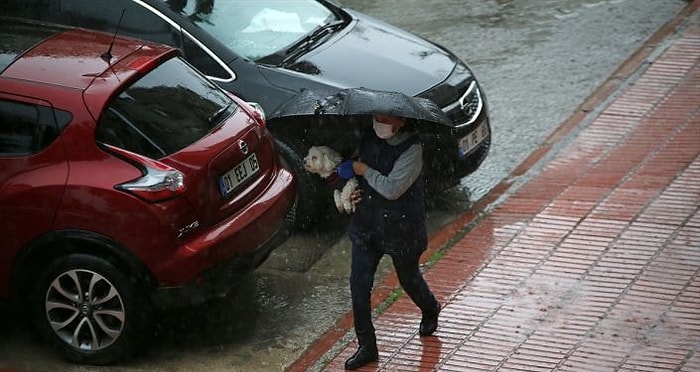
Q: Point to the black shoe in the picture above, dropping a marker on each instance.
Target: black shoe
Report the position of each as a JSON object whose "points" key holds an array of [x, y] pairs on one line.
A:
{"points": [[363, 355], [429, 322]]}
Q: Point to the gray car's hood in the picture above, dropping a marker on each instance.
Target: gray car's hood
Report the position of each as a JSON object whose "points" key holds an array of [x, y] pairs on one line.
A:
{"points": [[375, 55]]}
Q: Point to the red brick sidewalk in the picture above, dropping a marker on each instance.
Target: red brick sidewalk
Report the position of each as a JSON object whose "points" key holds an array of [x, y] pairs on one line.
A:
{"points": [[593, 264]]}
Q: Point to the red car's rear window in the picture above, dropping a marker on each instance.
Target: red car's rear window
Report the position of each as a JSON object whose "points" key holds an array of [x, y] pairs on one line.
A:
{"points": [[165, 111]]}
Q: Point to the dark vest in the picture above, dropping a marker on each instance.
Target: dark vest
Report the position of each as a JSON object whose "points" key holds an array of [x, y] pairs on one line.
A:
{"points": [[394, 223]]}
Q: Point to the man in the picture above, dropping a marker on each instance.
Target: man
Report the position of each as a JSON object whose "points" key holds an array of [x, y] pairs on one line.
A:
{"points": [[389, 219]]}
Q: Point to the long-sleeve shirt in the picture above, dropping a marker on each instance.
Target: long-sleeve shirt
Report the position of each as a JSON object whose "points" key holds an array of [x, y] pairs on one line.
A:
{"points": [[406, 170]]}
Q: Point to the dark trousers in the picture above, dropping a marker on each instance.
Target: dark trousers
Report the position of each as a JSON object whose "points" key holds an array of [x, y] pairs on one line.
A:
{"points": [[366, 255]]}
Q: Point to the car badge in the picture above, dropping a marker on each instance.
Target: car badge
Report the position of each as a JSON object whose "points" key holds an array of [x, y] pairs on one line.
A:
{"points": [[466, 101], [243, 146], [187, 229]]}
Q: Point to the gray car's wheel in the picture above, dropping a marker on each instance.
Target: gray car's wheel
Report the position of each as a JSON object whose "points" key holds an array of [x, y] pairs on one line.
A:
{"points": [[89, 310]]}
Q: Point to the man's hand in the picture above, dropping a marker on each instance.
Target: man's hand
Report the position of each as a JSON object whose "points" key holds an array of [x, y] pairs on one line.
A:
{"points": [[345, 170], [356, 197]]}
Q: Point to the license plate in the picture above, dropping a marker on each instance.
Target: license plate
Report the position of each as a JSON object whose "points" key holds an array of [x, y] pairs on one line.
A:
{"points": [[473, 139], [239, 174]]}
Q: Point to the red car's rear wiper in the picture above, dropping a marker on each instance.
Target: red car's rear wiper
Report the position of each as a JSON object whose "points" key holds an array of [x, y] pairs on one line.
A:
{"points": [[214, 118]]}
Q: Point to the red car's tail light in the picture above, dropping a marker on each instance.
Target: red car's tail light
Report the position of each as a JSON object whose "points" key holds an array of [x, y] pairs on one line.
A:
{"points": [[156, 185], [253, 109], [257, 112], [158, 182]]}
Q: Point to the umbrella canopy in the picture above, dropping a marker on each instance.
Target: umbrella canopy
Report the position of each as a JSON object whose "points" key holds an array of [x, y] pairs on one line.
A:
{"points": [[362, 101]]}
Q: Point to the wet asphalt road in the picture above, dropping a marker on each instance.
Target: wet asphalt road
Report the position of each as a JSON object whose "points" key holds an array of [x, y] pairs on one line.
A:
{"points": [[537, 61]]}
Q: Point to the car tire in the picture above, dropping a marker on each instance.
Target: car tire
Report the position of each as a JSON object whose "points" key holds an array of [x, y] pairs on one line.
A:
{"points": [[312, 197], [91, 311]]}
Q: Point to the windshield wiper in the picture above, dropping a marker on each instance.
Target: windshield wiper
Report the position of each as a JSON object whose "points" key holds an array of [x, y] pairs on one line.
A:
{"points": [[213, 118], [305, 43]]}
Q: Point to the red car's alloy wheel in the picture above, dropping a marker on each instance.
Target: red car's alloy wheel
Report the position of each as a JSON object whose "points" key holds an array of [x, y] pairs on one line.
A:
{"points": [[93, 312], [85, 310]]}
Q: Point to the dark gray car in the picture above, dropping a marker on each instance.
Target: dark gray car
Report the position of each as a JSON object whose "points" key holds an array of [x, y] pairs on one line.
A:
{"points": [[268, 51]]}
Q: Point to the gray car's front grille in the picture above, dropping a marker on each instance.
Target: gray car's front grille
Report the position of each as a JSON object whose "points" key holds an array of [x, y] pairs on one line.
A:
{"points": [[467, 108]]}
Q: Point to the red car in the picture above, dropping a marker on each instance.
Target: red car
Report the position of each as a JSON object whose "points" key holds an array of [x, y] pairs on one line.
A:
{"points": [[128, 182]]}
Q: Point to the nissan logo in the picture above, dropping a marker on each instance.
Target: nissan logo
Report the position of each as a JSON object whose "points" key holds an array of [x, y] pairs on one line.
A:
{"points": [[243, 146]]}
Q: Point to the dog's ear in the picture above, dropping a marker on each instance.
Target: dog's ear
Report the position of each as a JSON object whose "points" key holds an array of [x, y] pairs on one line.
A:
{"points": [[334, 156], [327, 162]]}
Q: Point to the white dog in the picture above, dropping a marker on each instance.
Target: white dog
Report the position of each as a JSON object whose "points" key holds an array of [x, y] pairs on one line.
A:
{"points": [[323, 160]]}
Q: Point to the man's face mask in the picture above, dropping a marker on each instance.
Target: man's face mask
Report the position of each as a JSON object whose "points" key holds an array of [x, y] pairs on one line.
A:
{"points": [[383, 131]]}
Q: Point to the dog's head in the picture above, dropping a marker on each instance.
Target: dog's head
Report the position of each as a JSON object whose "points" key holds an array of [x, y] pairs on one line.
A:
{"points": [[322, 160]]}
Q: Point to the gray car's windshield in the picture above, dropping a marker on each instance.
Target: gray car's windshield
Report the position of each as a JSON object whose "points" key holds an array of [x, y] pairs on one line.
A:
{"points": [[255, 29]]}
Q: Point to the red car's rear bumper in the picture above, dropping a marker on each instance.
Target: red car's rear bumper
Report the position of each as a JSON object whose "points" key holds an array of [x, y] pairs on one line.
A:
{"points": [[211, 260]]}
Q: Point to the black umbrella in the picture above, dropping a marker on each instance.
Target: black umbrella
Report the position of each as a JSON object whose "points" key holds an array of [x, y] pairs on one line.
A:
{"points": [[361, 101]]}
